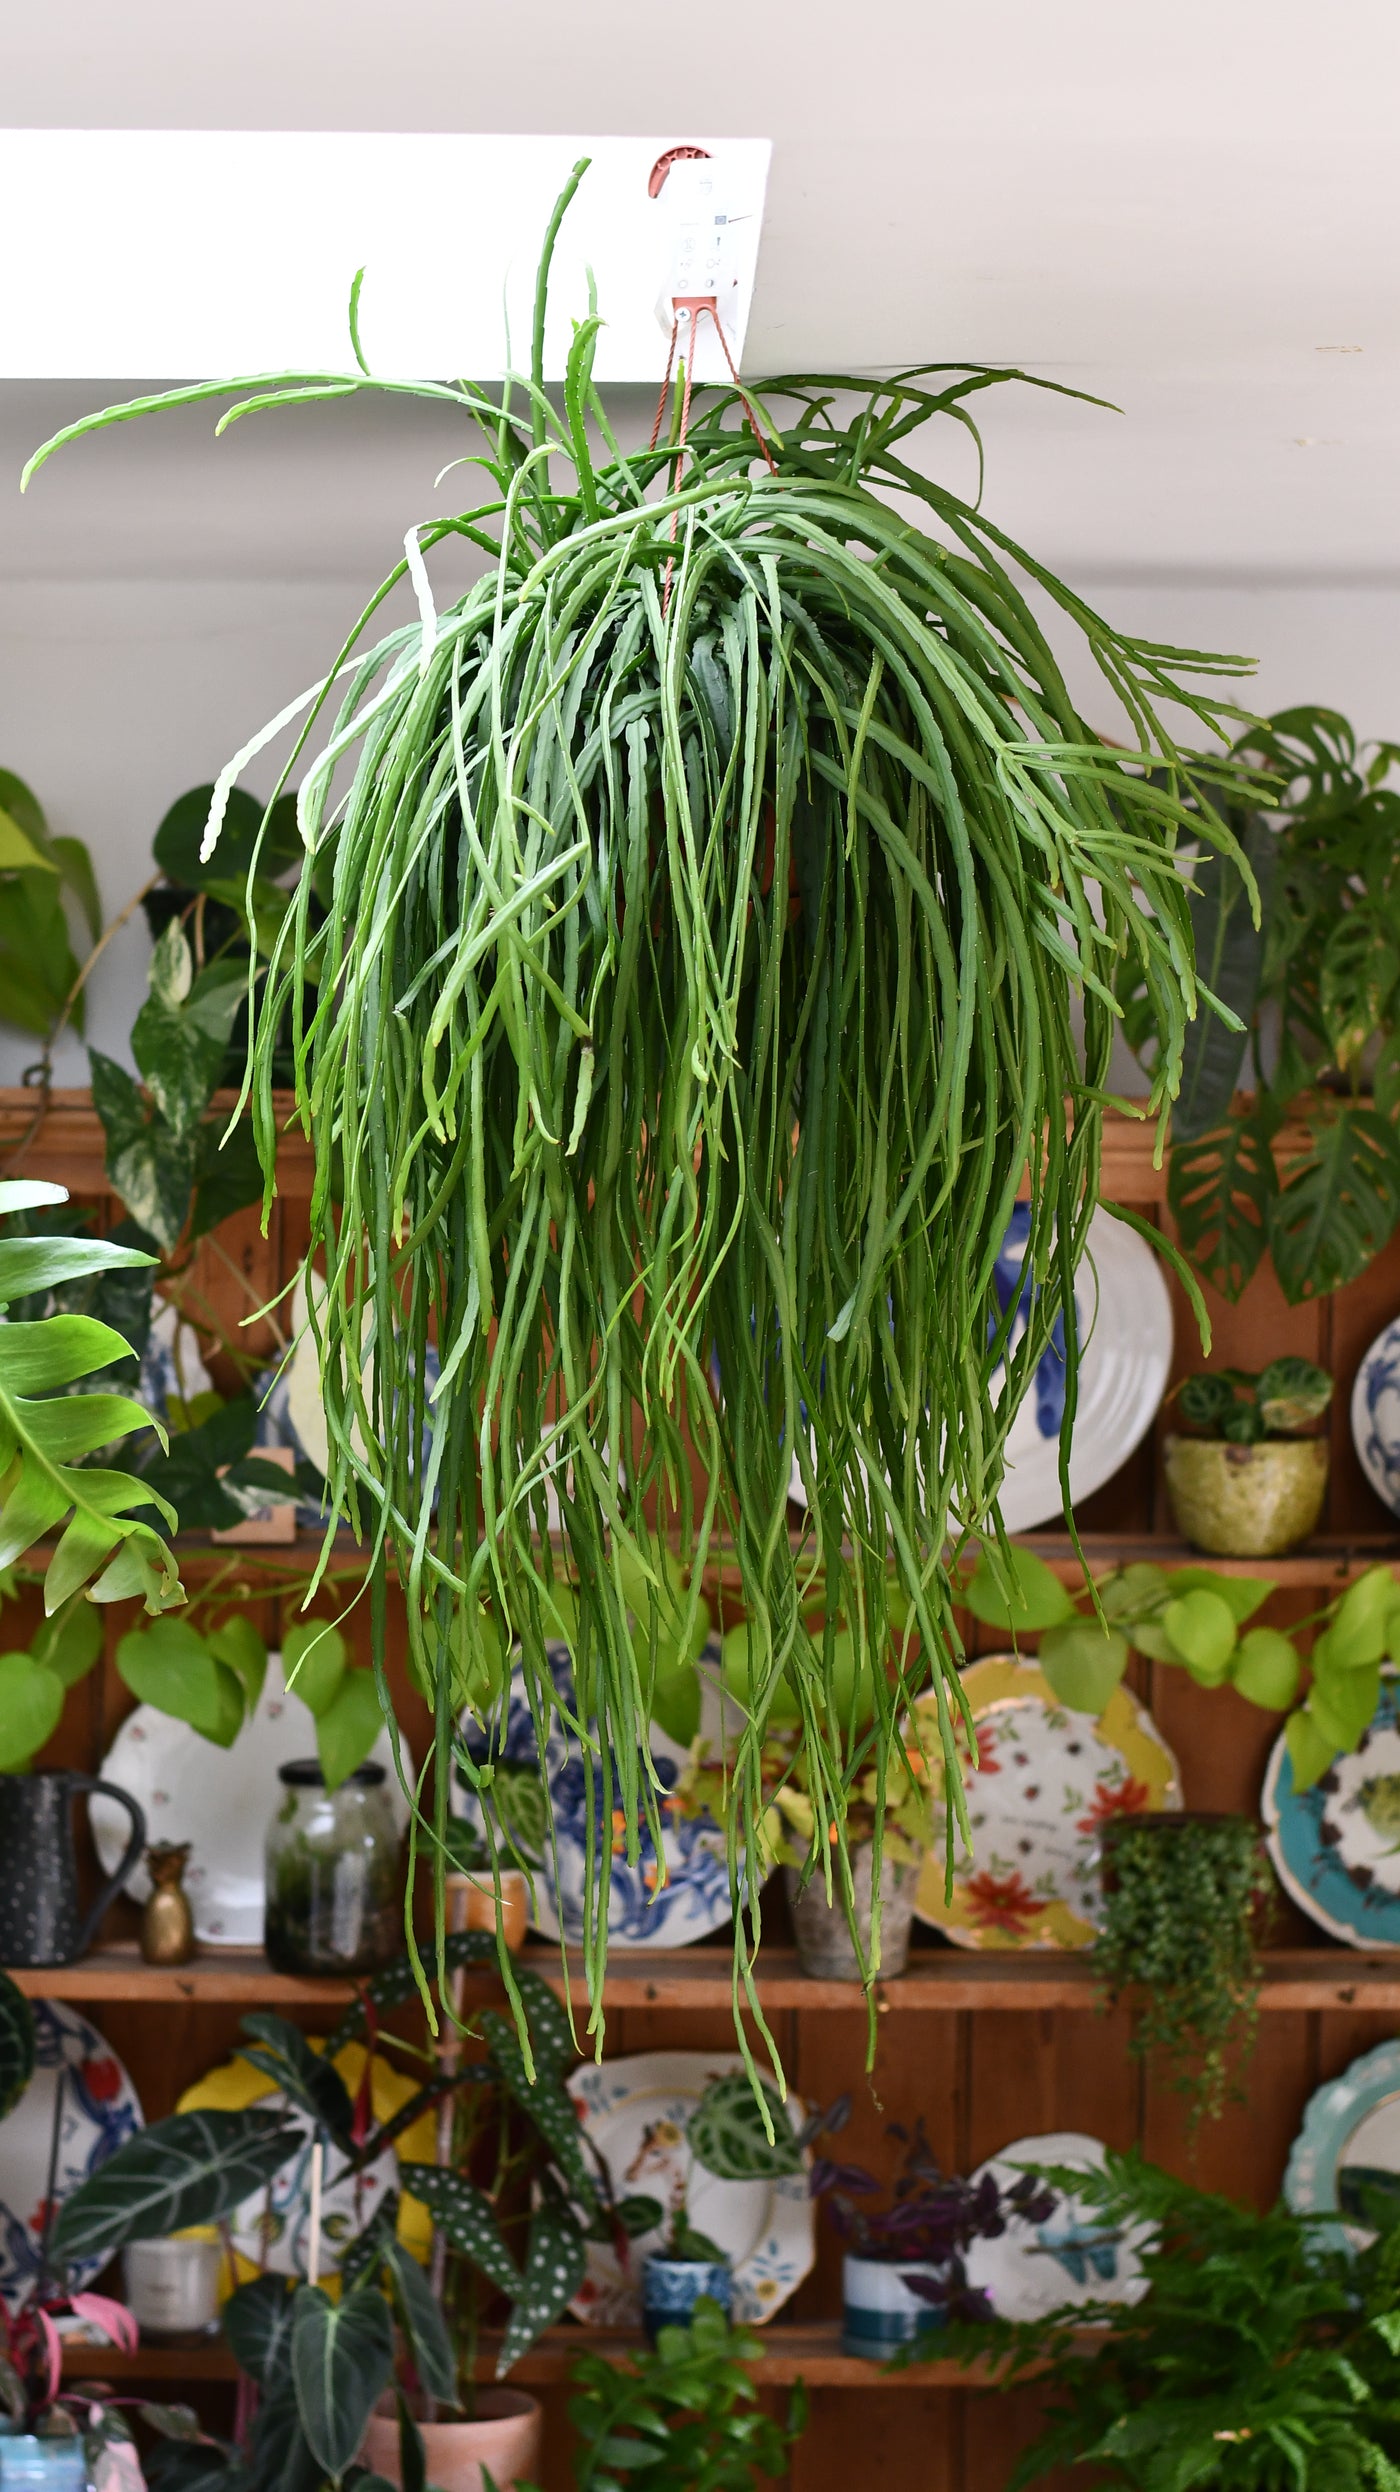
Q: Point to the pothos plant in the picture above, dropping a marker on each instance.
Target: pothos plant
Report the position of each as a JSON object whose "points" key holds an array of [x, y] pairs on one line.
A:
{"points": [[719, 906], [1315, 989]]}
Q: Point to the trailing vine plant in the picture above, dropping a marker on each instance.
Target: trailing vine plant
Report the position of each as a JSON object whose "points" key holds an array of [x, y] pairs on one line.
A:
{"points": [[717, 912], [1180, 1902]]}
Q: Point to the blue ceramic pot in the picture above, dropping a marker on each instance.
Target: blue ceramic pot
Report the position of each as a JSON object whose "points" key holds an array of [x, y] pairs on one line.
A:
{"points": [[879, 2310], [28, 2464], [671, 2287]]}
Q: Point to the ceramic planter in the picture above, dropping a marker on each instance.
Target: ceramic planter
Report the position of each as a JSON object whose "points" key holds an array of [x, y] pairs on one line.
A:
{"points": [[879, 2309], [1246, 1500], [671, 2287], [819, 1928], [503, 2440], [479, 1905], [28, 2464]]}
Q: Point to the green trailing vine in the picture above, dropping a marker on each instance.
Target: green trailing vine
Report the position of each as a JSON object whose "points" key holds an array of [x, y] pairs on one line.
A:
{"points": [[713, 913], [1179, 1910]]}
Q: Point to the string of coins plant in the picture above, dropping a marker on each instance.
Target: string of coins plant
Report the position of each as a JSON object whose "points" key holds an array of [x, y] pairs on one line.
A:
{"points": [[709, 893]]}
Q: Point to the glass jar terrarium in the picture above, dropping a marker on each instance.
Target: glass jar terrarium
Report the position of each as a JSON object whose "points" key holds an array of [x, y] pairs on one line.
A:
{"points": [[334, 1873]]}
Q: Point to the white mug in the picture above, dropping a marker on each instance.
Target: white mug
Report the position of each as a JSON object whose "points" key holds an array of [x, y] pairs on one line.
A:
{"points": [[172, 2286]]}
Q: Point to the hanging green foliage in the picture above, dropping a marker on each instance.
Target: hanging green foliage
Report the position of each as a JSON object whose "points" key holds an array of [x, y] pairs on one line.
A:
{"points": [[718, 913]]}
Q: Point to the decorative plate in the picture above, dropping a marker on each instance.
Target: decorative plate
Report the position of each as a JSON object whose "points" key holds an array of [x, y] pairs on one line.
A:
{"points": [[292, 1410], [218, 1800], [634, 2111], [1125, 1324], [1047, 1781], [1073, 2258], [643, 1911], [270, 2228], [100, 2112], [1375, 1415], [1336, 1846], [1346, 2156]]}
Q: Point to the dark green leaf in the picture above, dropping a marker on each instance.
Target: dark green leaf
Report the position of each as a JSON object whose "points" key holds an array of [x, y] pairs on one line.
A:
{"points": [[728, 2131], [228, 1175], [151, 1167], [342, 2353], [306, 2077], [1229, 961], [1221, 1187], [192, 2169], [420, 2317], [1339, 1202], [555, 2262], [167, 1665], [466, 2216], [16, 2041], [545, 2102], [348, 1728], [257, 2320]]}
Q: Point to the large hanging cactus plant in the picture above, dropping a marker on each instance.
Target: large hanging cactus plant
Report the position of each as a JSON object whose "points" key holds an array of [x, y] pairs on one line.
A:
{"points": [[713, 920]]}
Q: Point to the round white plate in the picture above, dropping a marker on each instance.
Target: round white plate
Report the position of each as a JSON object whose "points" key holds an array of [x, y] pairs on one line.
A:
{"points": [[635, 2112], [1375, 1415], [1048, 1781], [218, 1800], [1336, 1846], [1069, 2260], [643, 1911], [1349, 2147], [100, 2112], [1125, 1324]]}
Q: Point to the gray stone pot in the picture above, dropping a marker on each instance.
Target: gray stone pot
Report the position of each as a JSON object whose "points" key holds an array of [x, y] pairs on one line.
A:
{"points": [[823, 1940]]}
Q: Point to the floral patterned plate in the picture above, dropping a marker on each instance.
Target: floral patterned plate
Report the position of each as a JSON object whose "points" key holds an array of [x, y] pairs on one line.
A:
{"points": [[100, 2112], [644, 1909], [633, 2113], [1046, 1781], [1336, 1846]]}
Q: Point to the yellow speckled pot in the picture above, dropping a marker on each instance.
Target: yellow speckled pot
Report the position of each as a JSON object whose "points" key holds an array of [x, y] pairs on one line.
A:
{"points": [[1246, 1500]]}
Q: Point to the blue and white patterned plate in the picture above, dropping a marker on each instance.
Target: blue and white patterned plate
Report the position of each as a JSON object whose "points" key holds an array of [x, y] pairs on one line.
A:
{"points": [[1336, 1846], [100, 2111], [634, 2112], [643, 1909], [1124, 1320], [1347, 2151], [1375, 1415]]}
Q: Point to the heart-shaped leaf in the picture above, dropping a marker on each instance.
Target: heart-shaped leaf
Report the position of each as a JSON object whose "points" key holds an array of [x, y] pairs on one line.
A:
{"points": [[1083, 1663], [342, 2354]]}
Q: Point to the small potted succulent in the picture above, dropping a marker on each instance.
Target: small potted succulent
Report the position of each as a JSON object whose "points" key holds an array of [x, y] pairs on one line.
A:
{"points": [[905, 2270], [1250, 1480], [1184, 1896]]}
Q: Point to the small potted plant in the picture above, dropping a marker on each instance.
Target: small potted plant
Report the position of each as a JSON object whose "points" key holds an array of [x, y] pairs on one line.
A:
{"points": [[1250, 1480], [904, 2270], [1183, 1894], [683, 2418], [687, 2269]]}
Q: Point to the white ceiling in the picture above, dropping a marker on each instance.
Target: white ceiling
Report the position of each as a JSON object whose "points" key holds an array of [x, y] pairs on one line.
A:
{"points": [[1193, 211]]}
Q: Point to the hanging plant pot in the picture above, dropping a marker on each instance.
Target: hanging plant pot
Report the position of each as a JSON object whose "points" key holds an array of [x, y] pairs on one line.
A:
{"points": [[502, 2441], [1246, 1500], [822, 1933], [711, 916]]}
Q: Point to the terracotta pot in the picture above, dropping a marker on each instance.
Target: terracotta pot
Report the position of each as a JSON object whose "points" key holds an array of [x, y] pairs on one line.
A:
{"points": [[1246, 1500], [820, 1931], [505, 2438], [479, 1905]]}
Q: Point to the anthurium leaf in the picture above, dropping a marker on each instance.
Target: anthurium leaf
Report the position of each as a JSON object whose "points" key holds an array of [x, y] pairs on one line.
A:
{"points": [[1015, 1590], [727, 2131], [342, 2354], [314, 1658], [420, 2317], [555, 2261], [192, 2169], [465, 2215], [310, 2078], [171, 1667], [16, 2036], [257, 2323], [348, 1728], [31, 1707], [1221, 1187], [1339, 1201], [1083, 1662]]}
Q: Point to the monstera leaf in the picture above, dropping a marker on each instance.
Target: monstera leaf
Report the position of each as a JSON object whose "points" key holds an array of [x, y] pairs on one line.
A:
{"points": [[192, 2169], [44, 1428], [16, 2044], [1339, 1203]]}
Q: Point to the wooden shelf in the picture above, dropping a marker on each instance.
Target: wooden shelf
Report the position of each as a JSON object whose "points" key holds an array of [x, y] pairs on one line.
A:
{"points": [[808, 2350], [1297, 1980], [1327, 1562]]}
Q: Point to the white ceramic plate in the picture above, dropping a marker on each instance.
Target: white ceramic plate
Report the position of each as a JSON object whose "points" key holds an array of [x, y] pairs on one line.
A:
{"points": [[642, 1910], [635, 2112], [218, 1800], [1125, 1321], [1375, 1415], [1069, 2260], [1048, 1782], [100, 2112]]}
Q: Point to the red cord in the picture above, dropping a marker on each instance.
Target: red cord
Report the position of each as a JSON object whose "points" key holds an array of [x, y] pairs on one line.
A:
{"points": [[695, 304]]}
